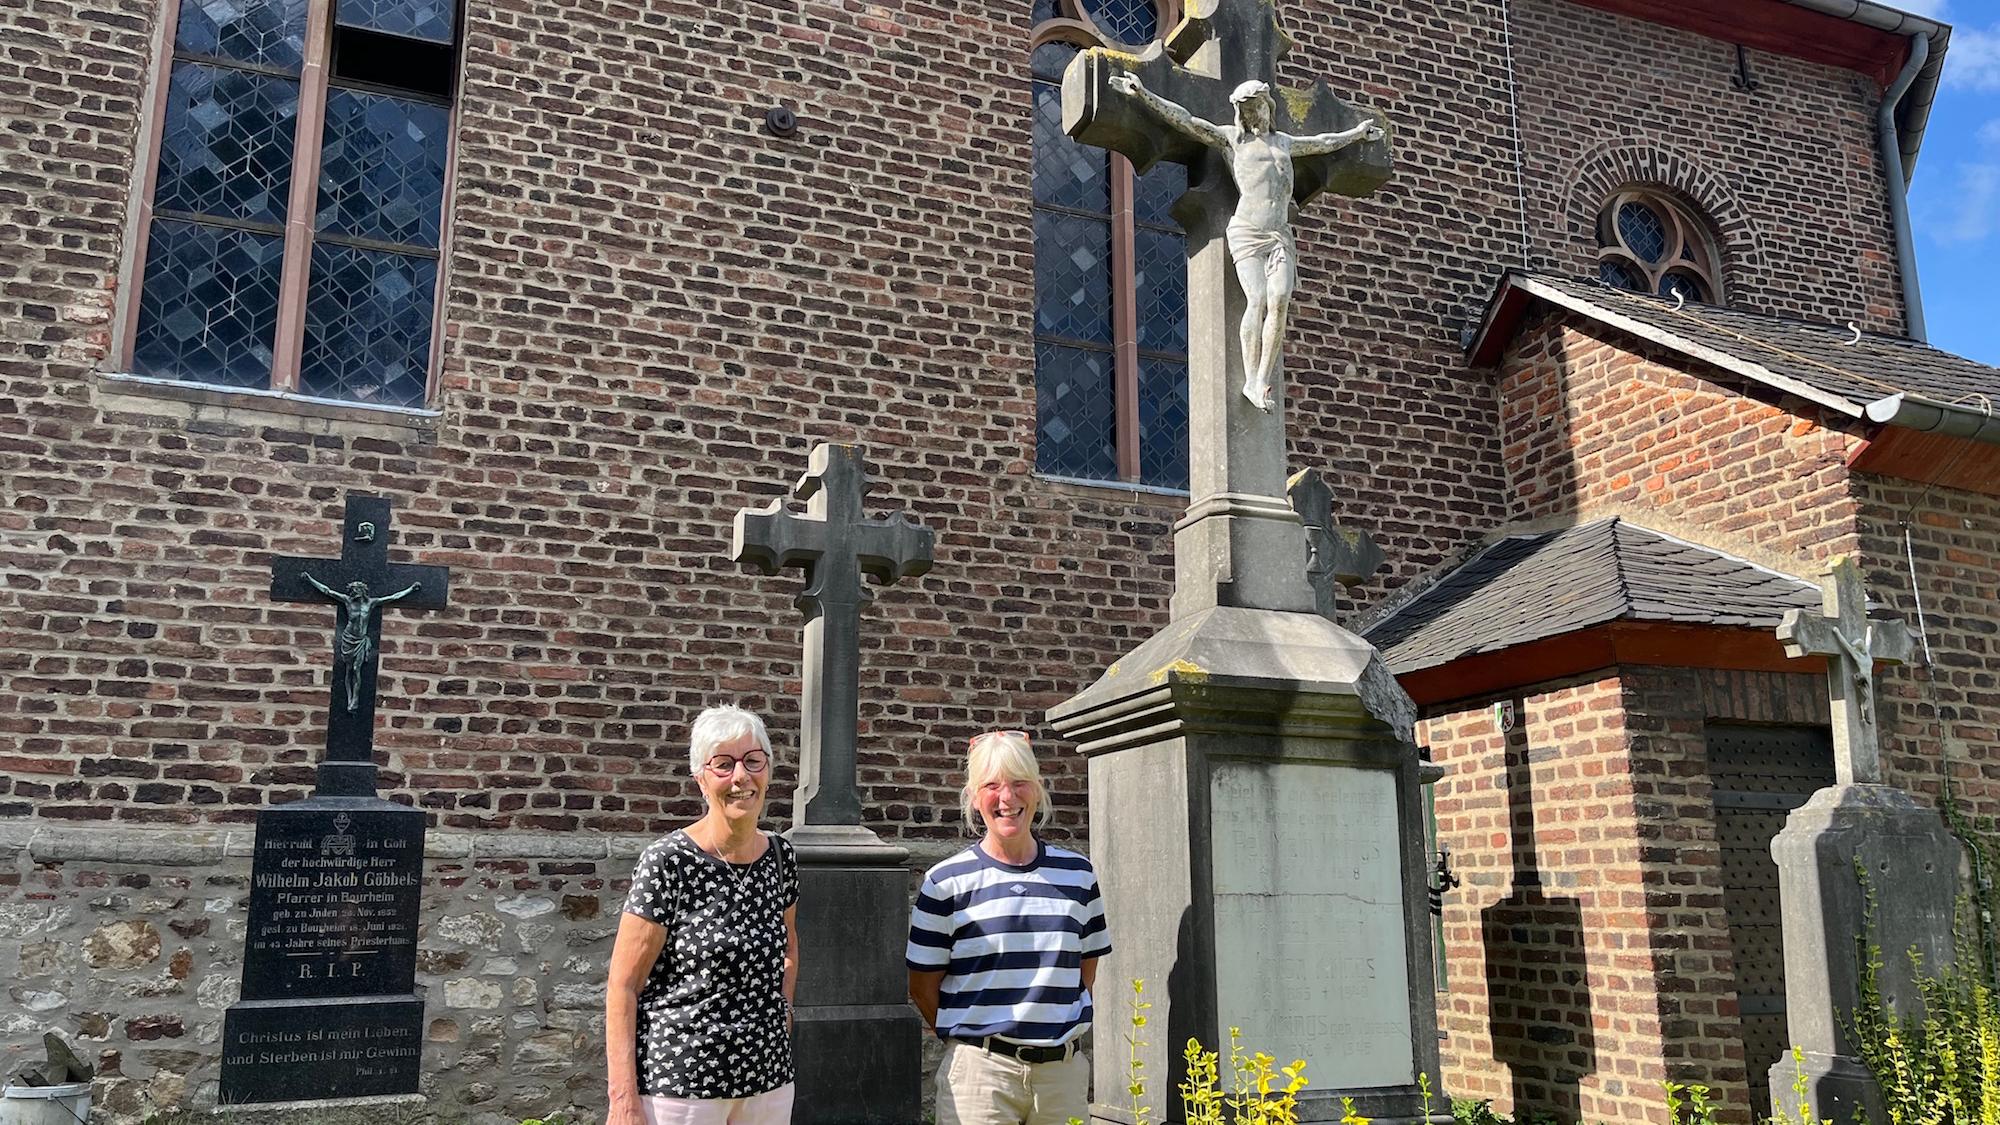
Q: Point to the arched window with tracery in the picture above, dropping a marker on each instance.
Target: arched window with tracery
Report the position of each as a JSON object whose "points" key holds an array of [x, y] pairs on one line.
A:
{"points": [[1649, 242], [1110, 275]]}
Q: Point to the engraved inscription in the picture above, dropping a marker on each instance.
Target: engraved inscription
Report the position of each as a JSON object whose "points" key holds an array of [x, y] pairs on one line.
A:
{"points": [[334, 905], [1309, 925]]}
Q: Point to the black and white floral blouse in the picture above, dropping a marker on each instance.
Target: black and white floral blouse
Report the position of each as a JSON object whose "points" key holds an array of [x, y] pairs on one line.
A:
{"points": [[712, 1014]]}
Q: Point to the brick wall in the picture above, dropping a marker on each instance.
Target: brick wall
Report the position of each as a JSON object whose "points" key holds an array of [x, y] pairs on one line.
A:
{"points": [[1599, 423], [654, 309], [1788, 173], [1579, 991], [1941, 717]]}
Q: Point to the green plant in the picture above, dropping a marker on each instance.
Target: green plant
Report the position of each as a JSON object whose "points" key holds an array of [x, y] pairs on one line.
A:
{"points": [[1469, 1111], [1253, 1097], [1134, 1066], [1699, 1110]]}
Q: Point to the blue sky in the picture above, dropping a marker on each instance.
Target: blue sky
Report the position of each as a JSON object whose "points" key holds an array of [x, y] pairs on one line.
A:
{"points": [[1955, 198]]}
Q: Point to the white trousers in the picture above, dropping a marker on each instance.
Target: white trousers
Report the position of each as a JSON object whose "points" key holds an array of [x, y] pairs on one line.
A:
{"points": [[773, 1107]]}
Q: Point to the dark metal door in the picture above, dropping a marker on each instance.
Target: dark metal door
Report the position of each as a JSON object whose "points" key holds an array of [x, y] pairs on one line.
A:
{"points": [[1761, 773]]}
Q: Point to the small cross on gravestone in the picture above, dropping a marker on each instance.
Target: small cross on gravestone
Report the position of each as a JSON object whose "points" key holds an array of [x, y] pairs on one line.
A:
{"points": [[358, 584], [1335, 556], [837, 546], [1852, 645]]}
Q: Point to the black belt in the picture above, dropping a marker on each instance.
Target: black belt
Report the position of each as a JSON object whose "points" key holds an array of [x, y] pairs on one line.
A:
{"points": [[1021, 1051]]}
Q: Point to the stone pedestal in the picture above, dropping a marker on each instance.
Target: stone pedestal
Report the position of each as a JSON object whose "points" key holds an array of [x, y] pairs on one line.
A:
{"points": [[1256, 825], [857, 1040], [1910, 862], [329, 1006]]}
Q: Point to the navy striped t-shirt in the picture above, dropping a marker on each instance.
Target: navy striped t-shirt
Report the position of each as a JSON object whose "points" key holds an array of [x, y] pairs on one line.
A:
{"points": [[1012, 942]]}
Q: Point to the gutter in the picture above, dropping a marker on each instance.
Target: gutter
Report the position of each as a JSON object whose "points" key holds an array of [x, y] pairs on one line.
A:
{"points": [[1913, 105], [1897, 187], [1914, 412]]}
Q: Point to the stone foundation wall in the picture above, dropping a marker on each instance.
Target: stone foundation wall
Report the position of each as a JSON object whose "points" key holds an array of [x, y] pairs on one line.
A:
{"points": [[130, 945]]}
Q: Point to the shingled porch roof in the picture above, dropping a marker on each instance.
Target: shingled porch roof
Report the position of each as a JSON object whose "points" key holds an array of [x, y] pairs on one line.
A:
{"points": [[1551, 603]]}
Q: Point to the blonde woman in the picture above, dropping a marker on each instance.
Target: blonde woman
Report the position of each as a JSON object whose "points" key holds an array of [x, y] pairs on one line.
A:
{"points": [[1004, 942], [697, 1011]]}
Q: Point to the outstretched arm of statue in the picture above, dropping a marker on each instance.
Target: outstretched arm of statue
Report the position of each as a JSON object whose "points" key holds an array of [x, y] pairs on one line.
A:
{"points": [[402, 593], [322, 587], [1320, 144], [1173, 113]]}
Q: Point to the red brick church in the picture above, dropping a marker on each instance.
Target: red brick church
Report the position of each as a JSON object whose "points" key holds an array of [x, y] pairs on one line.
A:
{"points": [[1627, 350]]}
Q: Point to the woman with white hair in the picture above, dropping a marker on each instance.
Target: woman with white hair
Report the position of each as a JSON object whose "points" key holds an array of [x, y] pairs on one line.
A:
{"points": [[697, 1010], [1004, 942]]}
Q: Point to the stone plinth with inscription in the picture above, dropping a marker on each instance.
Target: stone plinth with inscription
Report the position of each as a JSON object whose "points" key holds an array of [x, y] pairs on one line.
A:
{"points": [[1256, 824], [329, 1007]]}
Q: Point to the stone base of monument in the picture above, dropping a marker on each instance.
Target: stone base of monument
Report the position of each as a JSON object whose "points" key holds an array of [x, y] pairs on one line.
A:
{"points": [[857, 1040], [329, 1006], [1855, 860], [1257, 830]]}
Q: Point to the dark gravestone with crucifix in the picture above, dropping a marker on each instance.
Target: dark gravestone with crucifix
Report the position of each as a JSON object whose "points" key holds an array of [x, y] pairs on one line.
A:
{"points": [[1255, 799], [329, 1007], [858, 1041], [1854, 840]]}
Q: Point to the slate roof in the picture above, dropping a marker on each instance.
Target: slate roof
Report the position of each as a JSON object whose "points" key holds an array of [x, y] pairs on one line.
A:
{"points": [[1534, 586], [1811, 359]]}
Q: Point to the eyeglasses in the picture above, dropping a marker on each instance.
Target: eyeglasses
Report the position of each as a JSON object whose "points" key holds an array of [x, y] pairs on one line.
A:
{"points": [[722, 765], [976, 739]]}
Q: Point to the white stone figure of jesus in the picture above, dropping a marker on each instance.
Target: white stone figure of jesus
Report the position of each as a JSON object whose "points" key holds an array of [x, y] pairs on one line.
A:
{"points": [[1260, 232]]}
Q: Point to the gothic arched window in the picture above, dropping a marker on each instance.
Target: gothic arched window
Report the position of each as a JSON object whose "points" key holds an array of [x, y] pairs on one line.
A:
{"points": [[1649, 242], [1110, 276]]}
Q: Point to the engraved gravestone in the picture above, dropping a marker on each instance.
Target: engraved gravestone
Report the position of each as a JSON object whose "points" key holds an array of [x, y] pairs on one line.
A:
{"points": [[329, 1006], [1309, 903]]}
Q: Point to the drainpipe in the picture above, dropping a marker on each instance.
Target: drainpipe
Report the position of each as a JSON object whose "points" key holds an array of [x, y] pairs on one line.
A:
{"points": [[1899, 191]]}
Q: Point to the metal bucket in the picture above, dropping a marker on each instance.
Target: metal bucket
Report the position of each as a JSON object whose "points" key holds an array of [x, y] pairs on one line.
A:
{"points": [[67, 1104]]}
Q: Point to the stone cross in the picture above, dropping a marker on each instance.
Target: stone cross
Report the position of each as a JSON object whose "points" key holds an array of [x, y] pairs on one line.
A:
{"points": [[358, 583], [1336, 556], [1239, 542], [1852, 645], [836, 546]]}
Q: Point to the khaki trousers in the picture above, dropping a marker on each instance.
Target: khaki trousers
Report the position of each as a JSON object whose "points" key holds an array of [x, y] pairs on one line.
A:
{"points": [[977, 1087]]}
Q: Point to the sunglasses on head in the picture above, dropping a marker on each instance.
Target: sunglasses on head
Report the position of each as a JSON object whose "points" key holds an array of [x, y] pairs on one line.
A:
{"points": [[979, 738]]}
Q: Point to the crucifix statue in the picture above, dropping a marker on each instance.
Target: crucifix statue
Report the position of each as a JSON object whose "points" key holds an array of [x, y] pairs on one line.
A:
{"points": [[1852, 645], [837, 546], [1336, 556], [1206, 98], [351, 582]]}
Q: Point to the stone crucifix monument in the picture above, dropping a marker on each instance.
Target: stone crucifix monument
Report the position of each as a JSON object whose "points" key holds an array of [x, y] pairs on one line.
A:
{"points": [[1255, 799], [1854, 839], [859, 1042], [329, 1007]]}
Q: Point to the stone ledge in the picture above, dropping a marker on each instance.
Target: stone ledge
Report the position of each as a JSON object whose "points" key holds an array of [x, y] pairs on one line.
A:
{"points": [[187, 402]]}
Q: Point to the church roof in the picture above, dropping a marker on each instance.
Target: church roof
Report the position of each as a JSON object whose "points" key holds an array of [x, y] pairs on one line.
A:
{"points": [[1890, 379], [1535, 586]]}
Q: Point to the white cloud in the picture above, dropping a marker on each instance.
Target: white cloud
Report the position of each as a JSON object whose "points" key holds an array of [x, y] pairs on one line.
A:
{"points": [[1989, 135], [1971, 212], [1972, 60]]}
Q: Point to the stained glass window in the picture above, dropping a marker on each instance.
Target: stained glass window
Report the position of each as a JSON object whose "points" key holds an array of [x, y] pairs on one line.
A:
{"points": [[1127, 21], [1650, 242], [429, 20], [1110, 388], [215, 294]]}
